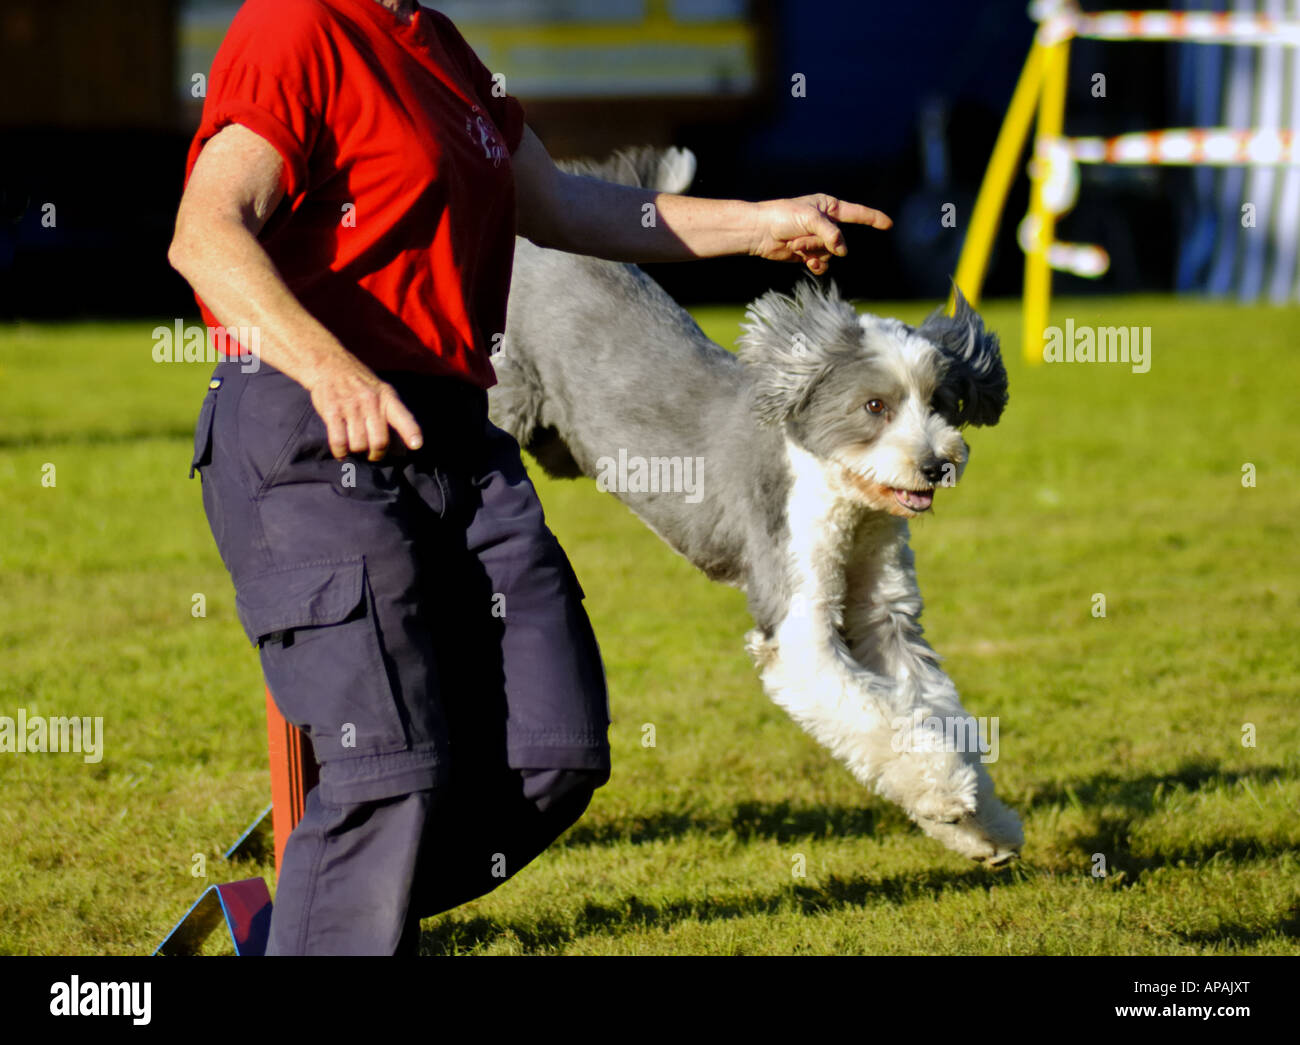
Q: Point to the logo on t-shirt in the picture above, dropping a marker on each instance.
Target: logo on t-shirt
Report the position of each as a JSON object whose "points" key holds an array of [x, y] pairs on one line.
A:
{"points": [[485, 134]]}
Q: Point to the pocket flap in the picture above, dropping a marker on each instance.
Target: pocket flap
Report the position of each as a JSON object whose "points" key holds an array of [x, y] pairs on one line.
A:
{"points": [[309, 595]]}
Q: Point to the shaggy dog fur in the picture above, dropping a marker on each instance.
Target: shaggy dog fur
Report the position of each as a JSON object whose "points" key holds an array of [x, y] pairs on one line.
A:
{"points": [[789, 470]]}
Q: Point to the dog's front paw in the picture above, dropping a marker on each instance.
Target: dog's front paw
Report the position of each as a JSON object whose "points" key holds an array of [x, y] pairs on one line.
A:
{"points": [[991, 833], [972, 836]]}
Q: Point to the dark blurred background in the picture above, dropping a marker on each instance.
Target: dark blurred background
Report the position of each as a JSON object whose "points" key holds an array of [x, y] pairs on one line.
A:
{"points": [[900, 105]]}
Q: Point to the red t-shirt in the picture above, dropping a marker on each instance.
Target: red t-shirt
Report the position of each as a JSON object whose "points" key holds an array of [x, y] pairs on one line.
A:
{"points": [[398, 222]]}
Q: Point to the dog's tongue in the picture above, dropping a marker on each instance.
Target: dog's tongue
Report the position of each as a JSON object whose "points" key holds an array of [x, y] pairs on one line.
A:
{"points": [[918, 501]]}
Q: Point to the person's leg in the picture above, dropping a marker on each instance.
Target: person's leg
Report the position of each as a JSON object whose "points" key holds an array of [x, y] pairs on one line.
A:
{"points": [[482, 836], [530, 748], [345, 881], [327, 558], [554, 693]]}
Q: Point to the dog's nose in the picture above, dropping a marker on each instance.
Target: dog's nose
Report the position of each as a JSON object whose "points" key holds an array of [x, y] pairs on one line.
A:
{"points": [[935, 470]]}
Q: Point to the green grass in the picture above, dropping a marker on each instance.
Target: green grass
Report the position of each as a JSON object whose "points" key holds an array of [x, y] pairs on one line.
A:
{"points": [[1119, 736]]}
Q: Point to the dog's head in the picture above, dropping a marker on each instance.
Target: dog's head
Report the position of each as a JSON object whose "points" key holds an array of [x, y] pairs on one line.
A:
{"points": [[880, 402]]}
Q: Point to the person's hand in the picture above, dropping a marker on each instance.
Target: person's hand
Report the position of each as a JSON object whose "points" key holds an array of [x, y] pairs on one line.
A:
{"points": [[806, 230], [358, 409]]}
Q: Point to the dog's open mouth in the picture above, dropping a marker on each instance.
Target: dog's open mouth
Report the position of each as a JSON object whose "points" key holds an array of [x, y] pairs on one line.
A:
{"points": [[914, 500]]}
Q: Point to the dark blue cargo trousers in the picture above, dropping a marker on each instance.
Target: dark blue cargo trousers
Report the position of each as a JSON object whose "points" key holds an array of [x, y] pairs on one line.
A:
{"points": [[420, 621]]}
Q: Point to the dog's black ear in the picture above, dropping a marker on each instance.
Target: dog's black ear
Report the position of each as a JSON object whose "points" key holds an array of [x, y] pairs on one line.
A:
{"points": [[974, 387], [790, 343]]}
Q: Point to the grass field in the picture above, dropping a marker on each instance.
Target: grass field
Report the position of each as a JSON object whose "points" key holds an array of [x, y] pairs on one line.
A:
{"points": [[1120, 736]]}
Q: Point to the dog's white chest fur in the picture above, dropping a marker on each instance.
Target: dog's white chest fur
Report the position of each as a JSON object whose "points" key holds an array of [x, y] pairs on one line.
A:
{"points": [[850, 665]]}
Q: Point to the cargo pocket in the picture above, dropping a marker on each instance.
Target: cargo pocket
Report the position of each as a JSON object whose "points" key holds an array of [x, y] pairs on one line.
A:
{"points": [[315, 627]]}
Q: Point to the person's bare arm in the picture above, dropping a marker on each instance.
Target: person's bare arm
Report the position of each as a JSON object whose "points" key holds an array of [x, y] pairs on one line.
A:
{"points": [[235, 186], [588, 216]]}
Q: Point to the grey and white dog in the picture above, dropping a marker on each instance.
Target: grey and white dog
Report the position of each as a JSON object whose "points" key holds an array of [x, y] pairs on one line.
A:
{"points": [[790, 471]]}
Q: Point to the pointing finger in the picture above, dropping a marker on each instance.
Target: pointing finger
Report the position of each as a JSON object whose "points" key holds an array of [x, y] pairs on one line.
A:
{"points": [[857, 214], [403, 422]]}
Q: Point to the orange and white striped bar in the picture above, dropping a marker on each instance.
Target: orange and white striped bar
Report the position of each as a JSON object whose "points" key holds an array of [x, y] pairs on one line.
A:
{"points": [[1209, 146], [1208, 27]]}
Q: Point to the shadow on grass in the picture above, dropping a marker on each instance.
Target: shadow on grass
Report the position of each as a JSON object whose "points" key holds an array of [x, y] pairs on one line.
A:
{"points": [[1243, 935], [1138, 798], [612, 919], [1110, 836], [774, 821], [1140, 794], [785, 821]]}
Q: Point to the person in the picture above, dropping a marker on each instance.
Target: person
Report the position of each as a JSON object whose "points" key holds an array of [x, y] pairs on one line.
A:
{"points": [[351, 201]]}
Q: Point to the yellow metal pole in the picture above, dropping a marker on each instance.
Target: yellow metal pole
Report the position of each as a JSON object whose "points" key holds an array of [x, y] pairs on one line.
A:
{"points": [[1038, 276], [978, 247]]}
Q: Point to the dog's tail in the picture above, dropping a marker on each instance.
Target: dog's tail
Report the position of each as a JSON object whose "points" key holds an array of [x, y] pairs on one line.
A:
{"points": [[667, 170]]}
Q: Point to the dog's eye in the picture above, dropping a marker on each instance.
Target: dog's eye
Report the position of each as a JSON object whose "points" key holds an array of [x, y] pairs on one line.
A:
{"points": [[876, 406]]}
